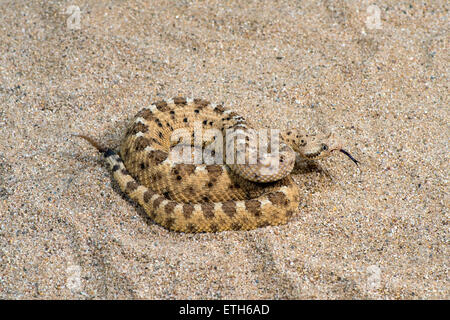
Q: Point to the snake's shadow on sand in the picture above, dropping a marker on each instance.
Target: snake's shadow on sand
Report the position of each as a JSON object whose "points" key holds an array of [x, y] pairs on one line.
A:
{"points": [[303, 166]]}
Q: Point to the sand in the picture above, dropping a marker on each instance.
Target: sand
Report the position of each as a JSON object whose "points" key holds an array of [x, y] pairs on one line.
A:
{"points": [[379, 231]]}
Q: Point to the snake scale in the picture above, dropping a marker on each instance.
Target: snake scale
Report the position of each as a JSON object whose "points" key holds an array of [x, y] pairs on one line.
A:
{"points": [[208, 197]]}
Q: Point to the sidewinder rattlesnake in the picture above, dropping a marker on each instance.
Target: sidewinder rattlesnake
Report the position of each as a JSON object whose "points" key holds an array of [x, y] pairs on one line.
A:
{"points": [[200, 197]]}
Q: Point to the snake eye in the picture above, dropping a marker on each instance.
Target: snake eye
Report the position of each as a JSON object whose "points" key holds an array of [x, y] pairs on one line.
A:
{"points": [[324, 147]]}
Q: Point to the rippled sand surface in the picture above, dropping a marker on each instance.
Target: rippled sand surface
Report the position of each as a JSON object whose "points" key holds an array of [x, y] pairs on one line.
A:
{"points": [[377, 77]]}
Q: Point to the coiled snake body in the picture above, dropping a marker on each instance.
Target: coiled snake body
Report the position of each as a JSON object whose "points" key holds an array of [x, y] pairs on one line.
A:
{"points": [[201, 197]]}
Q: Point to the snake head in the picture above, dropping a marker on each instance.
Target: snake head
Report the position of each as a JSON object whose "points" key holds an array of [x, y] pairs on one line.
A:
{"points": [[314, 147]]}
